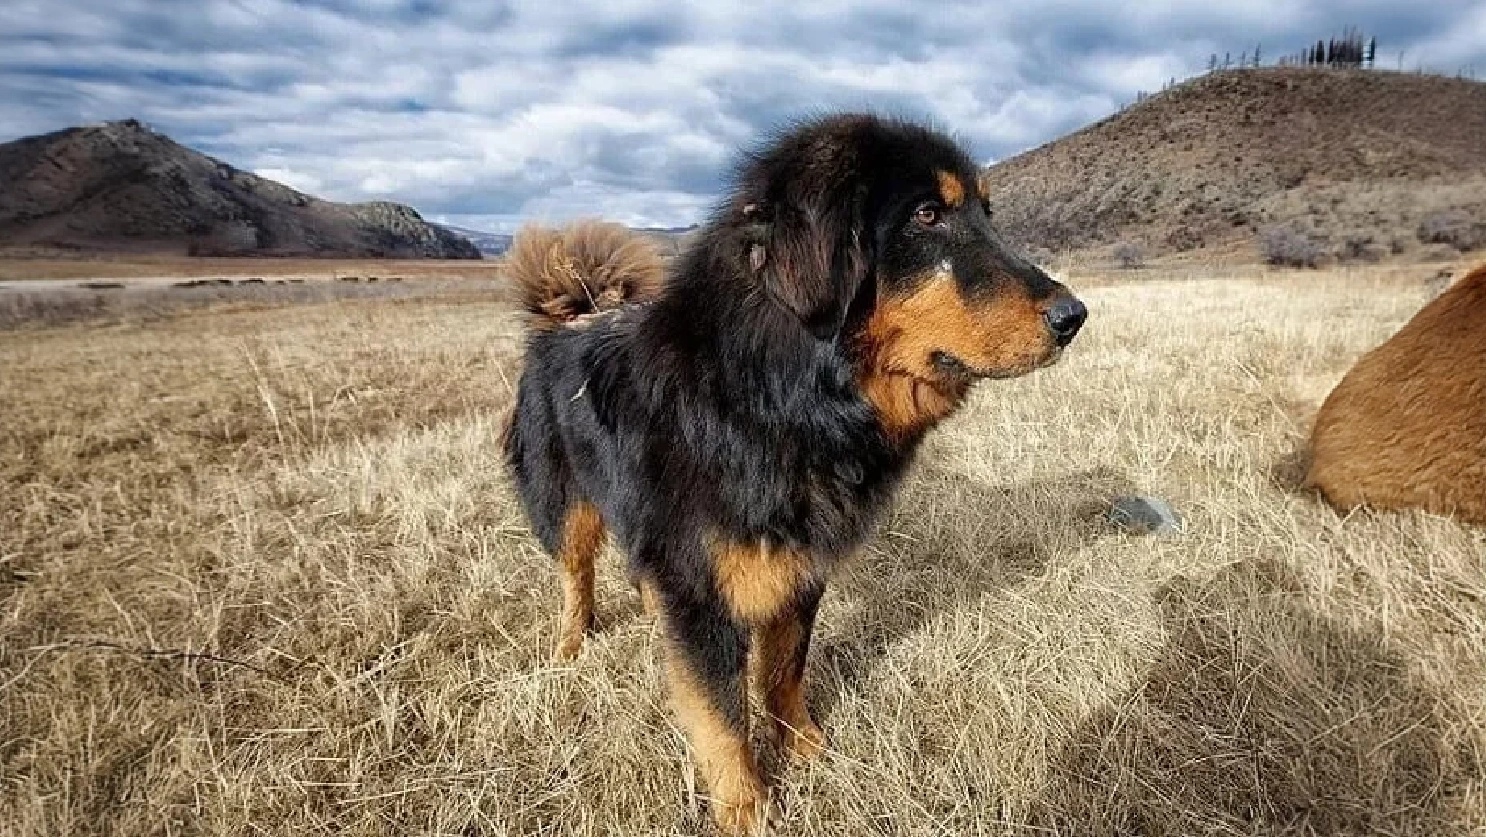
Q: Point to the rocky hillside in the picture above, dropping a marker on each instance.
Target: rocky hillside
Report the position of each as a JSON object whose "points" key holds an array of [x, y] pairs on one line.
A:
{"points": [[122, 186], [1335, 164]]}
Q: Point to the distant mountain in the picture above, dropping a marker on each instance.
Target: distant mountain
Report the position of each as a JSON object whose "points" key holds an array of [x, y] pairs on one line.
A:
{"points": [[670, 239], [489, 243], [122, 186], [674, 231], [496, 244], [1352, 163]]}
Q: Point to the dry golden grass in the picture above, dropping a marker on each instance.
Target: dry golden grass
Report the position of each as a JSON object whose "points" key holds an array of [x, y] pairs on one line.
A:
{"points": [[261, 573], [21, 266], [43, 304]]}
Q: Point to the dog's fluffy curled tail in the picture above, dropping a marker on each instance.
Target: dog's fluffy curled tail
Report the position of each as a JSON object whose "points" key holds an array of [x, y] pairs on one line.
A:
{"points": [[586, 268]]}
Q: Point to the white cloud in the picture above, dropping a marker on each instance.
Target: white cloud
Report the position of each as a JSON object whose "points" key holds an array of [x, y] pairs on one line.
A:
{"points": [[307, 183], [622, 108], [1460, 47]]}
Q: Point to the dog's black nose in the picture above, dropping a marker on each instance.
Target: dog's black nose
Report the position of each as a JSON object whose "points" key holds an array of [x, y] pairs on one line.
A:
{"points": [[1065, 318]]}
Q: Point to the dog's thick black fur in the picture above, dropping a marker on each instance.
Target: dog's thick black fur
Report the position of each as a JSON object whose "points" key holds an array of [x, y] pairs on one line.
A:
{"points": [[739, 429]]}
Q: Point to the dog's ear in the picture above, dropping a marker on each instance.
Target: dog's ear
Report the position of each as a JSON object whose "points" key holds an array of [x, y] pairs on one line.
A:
{"points": [[817, 256]]}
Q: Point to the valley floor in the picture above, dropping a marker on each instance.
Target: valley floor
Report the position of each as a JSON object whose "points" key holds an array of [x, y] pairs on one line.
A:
{"points": [[261, 573], [26, 266]]}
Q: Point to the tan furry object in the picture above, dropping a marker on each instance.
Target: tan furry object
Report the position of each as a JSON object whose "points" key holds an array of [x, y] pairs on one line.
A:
{"points": [[1406, 427], [586, 268]]}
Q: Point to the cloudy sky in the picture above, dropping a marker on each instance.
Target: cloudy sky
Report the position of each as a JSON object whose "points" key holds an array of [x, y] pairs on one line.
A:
{"points": [[483, 112]]}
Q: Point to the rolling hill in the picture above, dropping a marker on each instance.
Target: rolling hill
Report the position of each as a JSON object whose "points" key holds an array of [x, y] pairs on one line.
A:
{"points": [[1357, 164], [120, 186]]}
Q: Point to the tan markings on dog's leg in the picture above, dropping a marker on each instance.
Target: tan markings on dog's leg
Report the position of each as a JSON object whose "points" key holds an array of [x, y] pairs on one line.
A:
{"points": [[983, 187], [757, 580], [779, 646], [722, 754], [950, 188], [582, 536]]}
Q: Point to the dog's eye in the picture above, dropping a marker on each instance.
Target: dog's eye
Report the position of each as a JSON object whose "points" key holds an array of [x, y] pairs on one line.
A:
{"points": [[927, 214]]}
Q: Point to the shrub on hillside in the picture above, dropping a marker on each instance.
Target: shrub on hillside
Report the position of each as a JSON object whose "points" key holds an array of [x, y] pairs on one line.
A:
{"points": [[1360, 247], [1454, 227], [1288, 247], [1129, 255], [1438, 253], [1183, 238]]}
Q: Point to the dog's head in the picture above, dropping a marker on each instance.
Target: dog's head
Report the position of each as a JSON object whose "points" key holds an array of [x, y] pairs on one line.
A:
{"points": [[878, 232]]}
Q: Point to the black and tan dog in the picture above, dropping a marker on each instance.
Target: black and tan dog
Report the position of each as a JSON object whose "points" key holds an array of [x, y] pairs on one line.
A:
{"points": [[739, 421]]}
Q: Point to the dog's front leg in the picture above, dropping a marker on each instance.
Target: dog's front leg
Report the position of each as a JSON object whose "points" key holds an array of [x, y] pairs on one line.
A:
{"points": [[706, 666], [780, 646]]}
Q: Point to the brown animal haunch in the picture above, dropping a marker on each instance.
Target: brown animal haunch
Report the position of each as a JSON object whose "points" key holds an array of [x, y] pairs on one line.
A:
{"points": [[1406, 427]]}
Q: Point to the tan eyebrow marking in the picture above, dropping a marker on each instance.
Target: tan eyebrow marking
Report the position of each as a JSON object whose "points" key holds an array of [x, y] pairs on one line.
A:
{"points": [[951, 189]]}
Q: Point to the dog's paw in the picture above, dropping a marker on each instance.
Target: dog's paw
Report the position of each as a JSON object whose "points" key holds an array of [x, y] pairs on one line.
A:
{"points": [[743, 813], [739, 801], [567, 650], [804, 741]]}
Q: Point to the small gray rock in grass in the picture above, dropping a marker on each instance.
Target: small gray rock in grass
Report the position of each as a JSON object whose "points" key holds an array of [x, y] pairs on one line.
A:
{"points": [[1145, 515]]}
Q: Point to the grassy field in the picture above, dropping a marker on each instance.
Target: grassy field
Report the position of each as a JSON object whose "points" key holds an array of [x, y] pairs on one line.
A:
{"points": [[19, 266], [261, 573]]}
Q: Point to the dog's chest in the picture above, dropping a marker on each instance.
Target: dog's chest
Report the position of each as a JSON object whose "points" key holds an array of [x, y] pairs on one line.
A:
{"points": [[844, 500]]}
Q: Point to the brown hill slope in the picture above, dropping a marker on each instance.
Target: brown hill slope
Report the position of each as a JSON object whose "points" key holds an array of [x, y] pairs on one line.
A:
{"points": [[1359, 163], [120, 185]]}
